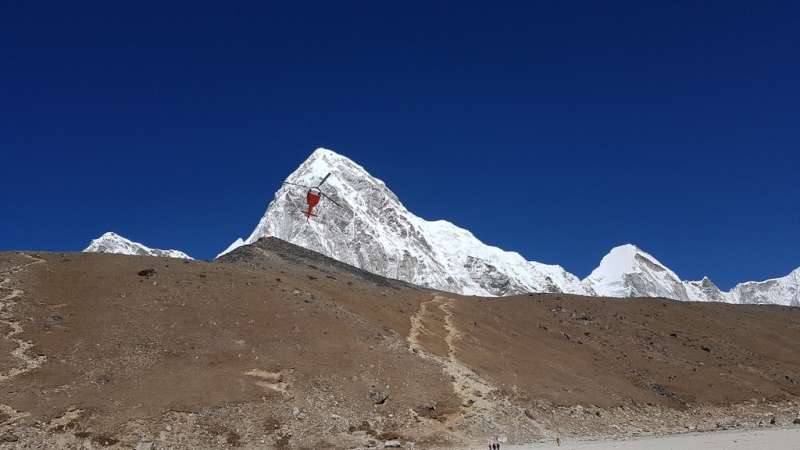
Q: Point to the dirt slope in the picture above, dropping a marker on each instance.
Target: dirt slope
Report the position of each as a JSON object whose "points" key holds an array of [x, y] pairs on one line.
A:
{"points": [[278, 347]]}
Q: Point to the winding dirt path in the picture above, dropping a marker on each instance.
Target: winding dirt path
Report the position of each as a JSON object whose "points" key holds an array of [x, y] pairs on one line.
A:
{"points": [[7, 284], [467, 385]]}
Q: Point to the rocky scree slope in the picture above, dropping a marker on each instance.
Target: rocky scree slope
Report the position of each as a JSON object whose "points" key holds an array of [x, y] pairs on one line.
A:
{"points": [[282, 348]]}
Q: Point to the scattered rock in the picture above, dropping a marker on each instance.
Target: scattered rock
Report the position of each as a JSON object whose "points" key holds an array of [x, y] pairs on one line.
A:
{"points": [[796, 421], [528, 414], [392, 443], [378, 397], [144, 446], [430, 406], [9, 437], [147, 272]]}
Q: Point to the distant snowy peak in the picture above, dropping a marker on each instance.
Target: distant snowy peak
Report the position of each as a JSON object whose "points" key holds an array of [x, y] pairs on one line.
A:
{"points": [[372, 230], [114, 243], [627, 271]]}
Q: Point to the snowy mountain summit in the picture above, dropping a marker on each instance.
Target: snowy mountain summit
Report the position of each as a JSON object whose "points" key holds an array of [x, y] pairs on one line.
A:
{"points": [[372, 230], [114, 243], [627, 271]]}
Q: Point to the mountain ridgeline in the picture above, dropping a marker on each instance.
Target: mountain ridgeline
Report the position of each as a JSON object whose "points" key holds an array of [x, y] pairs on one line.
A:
{"points": [[373, 231]]}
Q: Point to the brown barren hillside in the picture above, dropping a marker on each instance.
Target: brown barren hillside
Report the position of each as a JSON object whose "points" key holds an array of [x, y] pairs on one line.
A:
{"points": [[274, 346]]}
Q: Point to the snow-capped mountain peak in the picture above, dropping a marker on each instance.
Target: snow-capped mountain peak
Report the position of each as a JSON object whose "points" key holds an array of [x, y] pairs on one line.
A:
{"points": [[621, 260], [372, 230], [114, 243], [627, 271]]}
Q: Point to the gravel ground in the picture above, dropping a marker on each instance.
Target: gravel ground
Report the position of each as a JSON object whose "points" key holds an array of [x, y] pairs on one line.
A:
{"points": [[774, 439]]}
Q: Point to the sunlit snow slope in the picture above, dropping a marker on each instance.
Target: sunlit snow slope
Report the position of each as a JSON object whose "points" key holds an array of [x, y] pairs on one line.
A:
{"points": [[114, 243]]}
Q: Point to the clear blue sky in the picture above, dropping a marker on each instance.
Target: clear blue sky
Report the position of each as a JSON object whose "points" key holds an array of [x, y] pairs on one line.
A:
{"points": [[558, 129]]}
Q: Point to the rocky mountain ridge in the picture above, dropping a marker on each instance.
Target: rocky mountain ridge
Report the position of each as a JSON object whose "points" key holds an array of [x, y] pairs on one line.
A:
{"points": [[113, 243], [628, 271], [372, 230]]}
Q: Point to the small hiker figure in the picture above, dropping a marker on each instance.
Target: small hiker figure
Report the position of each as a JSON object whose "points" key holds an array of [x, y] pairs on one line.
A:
{"points": [[558, 441]]}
